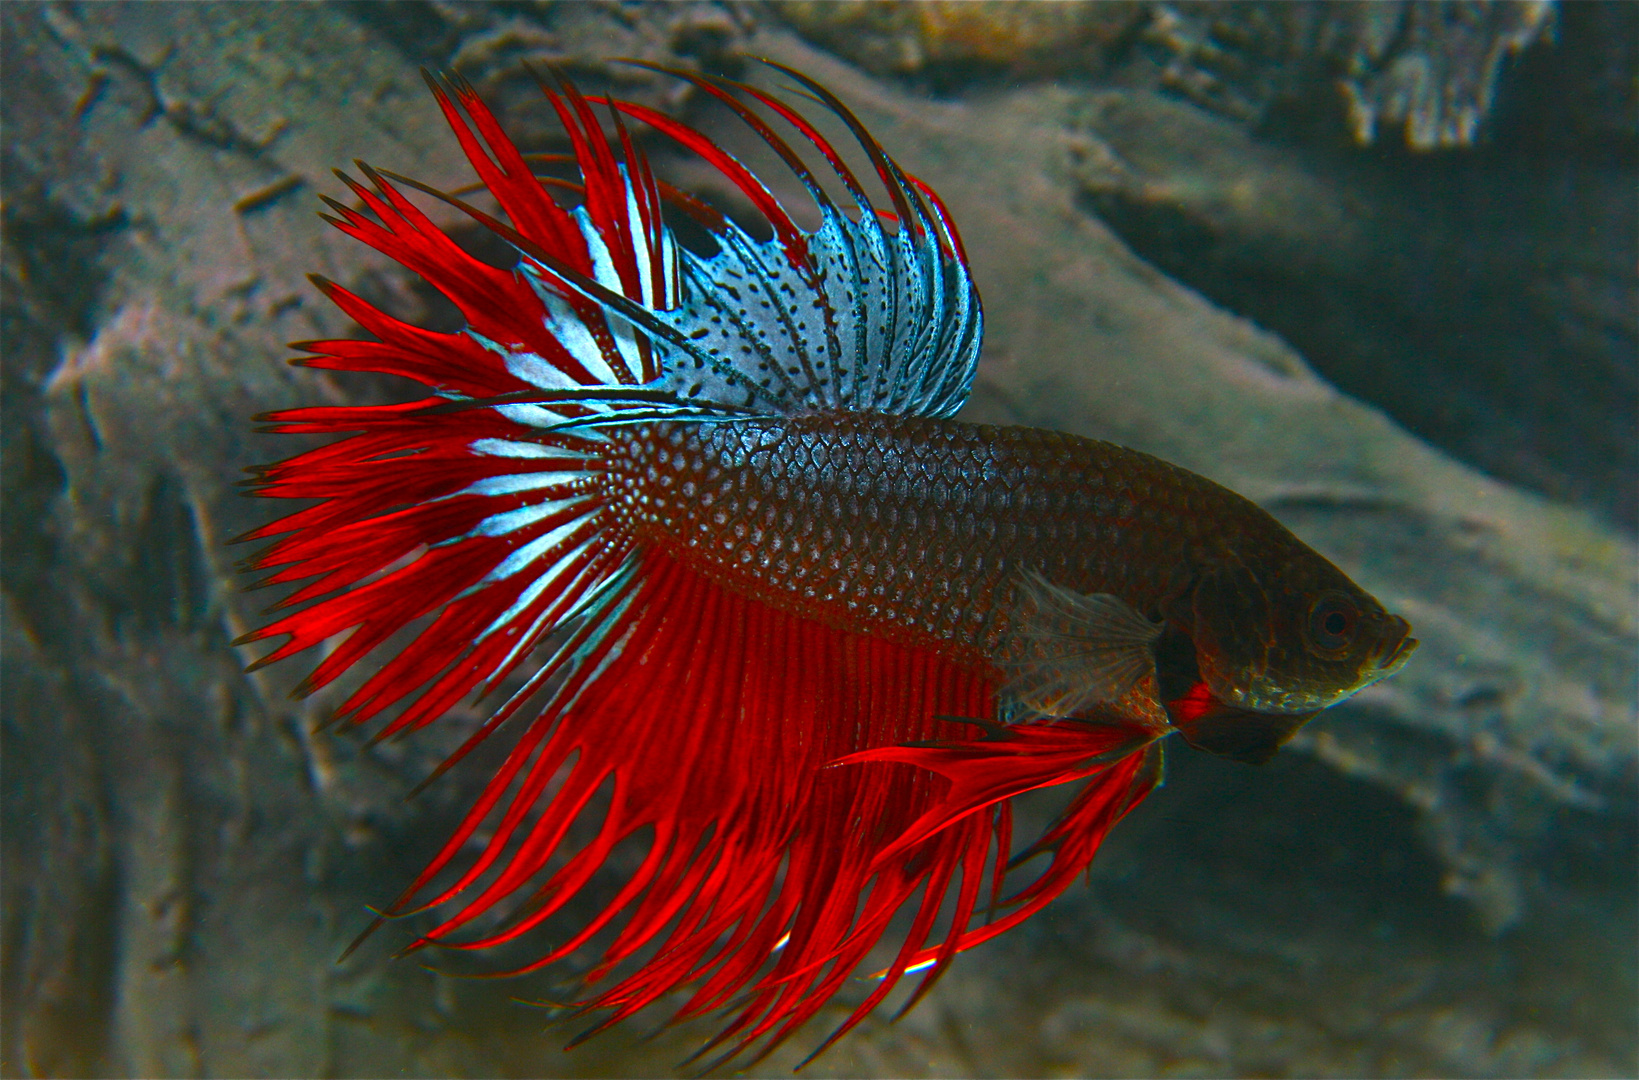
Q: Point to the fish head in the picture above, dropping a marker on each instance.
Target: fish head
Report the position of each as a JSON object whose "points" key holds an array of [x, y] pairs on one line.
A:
{"points": [[1277, 640]]}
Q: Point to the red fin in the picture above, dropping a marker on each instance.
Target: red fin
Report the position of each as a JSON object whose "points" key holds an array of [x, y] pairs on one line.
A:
{"points": [[717, 721], [791, 237], [1208, 724], [1008, 761]]}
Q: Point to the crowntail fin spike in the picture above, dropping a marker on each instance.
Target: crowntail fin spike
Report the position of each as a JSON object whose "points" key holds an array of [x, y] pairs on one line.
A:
{"points": [[791, 237], [886, 169], [714, 87], [503, 170], [576, 283], [856, 190], [812, 374]]}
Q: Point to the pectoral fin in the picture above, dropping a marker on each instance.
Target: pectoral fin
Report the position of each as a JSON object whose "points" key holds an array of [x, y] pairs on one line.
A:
{"points": [[1068, 651]]}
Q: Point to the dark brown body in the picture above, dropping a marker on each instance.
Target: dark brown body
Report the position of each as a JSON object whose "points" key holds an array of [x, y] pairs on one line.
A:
{"points": [[917, 530]]}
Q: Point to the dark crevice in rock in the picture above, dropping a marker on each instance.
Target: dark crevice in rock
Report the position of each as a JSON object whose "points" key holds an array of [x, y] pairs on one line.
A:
{"points": [[1483, 295], [1467, 307], [55, 281], [168, 584], [1579, 96], [55, 260], [416, 28]]}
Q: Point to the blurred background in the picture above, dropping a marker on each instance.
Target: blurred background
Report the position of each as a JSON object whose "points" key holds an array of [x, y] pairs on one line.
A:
{"points": [[1372, 264]]}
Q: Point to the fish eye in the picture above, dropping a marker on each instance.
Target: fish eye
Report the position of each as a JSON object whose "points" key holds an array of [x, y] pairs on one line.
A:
{"points": [[1332, 621]]}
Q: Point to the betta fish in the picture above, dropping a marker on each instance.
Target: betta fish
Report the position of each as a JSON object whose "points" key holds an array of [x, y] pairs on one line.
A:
{"points": [[767, 607]]}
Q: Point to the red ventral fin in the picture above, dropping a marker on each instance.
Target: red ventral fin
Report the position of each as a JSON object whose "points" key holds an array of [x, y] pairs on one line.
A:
{"points": [[1238, 734], [1121, 763], [1111, 792], [710, 720], [1007, 761]]}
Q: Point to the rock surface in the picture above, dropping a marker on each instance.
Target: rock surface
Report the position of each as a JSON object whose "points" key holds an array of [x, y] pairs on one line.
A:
{"points": [[1500, 185], [1424, 72], [1437, 880]]}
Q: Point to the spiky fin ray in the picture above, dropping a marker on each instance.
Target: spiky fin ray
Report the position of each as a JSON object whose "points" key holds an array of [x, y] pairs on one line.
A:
{"points": [[501, 549], [897, 315]]}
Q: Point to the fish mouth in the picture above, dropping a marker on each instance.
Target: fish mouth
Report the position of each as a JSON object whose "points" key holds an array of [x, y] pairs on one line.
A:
{"points": [[1398, 651]]}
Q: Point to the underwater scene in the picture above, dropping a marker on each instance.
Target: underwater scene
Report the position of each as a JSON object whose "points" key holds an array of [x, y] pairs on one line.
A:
{"points": [[1333, 754]]}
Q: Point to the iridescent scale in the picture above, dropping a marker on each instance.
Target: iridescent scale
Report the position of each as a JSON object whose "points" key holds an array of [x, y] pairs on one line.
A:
{"points": [[910, 528]]}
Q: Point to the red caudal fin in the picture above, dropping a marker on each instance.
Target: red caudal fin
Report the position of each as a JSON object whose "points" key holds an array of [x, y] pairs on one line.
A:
{"points": [[766, 877]]}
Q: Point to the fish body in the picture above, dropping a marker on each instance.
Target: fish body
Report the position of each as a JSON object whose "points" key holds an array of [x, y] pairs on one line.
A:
{"points": [[776, 612], [929, 532], [913, 529]]}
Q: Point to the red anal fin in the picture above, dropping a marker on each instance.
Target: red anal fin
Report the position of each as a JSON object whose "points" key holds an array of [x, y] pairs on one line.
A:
{"points": [[717, 717], [766, 753]]}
